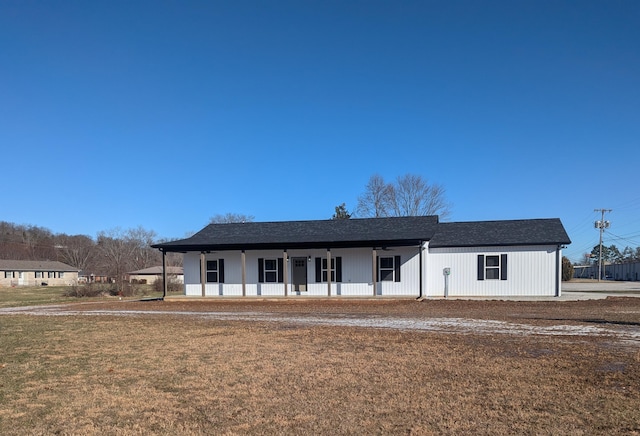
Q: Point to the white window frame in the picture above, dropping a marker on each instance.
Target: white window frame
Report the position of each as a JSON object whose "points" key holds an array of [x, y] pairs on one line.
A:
{"points": [[386, 277], [494, 266], [215, 270], [270, 271], [325, 271]]}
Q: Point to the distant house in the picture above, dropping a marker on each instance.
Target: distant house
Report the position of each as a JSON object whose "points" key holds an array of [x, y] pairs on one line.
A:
{"points": [[36, 273], [372, 257], [93, 277], [150, 275]]}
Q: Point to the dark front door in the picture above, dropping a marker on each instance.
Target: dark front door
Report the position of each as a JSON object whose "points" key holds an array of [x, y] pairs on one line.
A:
{"points": [[299, 274]]}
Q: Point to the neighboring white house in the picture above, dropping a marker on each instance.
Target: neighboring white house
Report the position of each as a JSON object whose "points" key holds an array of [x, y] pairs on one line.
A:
{"points": [[397, 257], [151, 274], [36, 273]]}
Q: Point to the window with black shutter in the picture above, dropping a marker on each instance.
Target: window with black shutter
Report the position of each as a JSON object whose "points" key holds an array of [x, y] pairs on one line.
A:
{"points": [[389, 268], [492, 267], [322, 272]]}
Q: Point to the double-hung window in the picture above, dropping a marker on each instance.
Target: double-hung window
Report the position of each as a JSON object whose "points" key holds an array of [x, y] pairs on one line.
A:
{"points": [[323, 273], [271, 270], [8, 274], [212, 271], [492, 267], [215, 271], [389, 268]]}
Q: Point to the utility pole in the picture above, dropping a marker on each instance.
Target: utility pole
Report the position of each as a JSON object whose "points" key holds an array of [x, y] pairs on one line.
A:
{"points": [[601, 224]]}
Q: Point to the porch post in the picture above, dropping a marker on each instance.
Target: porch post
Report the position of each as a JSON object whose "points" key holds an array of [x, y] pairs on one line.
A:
{"points": [[203, 272], [373, 270], [286, 269], [328, 272], [244, 273]]}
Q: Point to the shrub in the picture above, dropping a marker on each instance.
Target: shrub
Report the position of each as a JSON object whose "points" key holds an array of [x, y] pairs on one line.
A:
{"points": [[567, 269], [173, 285], [88, 290]]}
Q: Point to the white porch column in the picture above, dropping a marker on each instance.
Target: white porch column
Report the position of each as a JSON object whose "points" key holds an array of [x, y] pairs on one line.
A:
{"points": [[328, 272], [203, 272], [244, 273], [373, 270]]}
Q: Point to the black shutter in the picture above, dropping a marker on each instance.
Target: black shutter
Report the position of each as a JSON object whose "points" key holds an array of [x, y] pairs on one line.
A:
{"points": [[318, 270], [377, 268], [480, 267], [503, 267], [396, 266], [338, 269], [260, 270], [280, 270], [220, 270]]}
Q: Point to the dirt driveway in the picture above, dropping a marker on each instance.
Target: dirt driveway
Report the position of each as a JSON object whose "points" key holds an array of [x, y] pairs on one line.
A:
{"points": [[617, 318]]}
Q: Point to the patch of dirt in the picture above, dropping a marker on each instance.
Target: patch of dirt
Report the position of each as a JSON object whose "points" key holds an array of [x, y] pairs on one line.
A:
{"points": [[617, 318]]}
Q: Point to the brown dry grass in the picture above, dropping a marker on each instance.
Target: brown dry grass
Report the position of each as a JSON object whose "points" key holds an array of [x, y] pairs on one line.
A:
{"points": [[169, 374]]}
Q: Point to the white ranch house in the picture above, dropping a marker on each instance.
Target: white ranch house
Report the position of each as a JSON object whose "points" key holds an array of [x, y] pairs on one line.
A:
{"points": [[374, 257]]}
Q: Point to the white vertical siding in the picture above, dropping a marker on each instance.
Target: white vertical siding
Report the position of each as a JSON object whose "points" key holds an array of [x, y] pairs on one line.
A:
{"points": [[357, 278], [531, 271]]}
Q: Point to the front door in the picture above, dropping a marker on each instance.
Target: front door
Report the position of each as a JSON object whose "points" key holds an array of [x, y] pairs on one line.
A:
{"points": [[299, 274]]}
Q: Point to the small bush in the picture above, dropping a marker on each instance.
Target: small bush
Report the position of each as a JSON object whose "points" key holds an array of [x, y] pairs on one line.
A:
{"points": [[89, 290], [567, 269], [173, 285]]}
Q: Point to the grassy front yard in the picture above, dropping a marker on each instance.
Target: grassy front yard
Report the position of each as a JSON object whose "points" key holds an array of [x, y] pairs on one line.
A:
{"points": [[183, 374]]}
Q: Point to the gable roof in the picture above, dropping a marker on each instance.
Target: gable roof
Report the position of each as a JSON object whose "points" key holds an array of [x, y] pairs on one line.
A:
{"points": [[371, 232], [34, 265], [500, 233], [395, 231]]}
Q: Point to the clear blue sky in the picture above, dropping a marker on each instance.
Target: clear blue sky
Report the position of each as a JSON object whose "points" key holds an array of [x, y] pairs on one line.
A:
{"points": [[165, 113]]}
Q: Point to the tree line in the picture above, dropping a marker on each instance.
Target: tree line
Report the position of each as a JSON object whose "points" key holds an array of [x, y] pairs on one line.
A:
{"points": [[115, 252], [613, 254], [112, 253]]}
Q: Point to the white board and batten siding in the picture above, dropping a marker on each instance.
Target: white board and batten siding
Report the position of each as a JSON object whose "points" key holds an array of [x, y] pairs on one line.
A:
{"points": [[531, 271], [357, 273]]}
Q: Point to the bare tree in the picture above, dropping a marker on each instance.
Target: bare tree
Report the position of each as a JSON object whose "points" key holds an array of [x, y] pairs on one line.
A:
{"points": [[231, 218], [413, 196], [376, 200], [143, 255], [77, 251], [410, 195], [115, 253]]}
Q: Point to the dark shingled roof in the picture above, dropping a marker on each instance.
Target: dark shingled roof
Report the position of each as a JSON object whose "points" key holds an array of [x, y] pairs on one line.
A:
{"points": [[309, 234], [371, 232], [500, 233]]}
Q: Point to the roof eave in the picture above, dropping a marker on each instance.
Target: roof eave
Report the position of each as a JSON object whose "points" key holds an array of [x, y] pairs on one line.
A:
{"points": [[183, 248], [510, 244]]}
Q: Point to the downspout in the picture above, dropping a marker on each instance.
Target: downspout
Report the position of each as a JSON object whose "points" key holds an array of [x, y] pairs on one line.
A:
{"points": [[558, 270], [420, 270], [164, 274]]}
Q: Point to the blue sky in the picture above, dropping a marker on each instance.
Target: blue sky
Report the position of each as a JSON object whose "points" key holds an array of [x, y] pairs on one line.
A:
{"points": [[162, 114]]}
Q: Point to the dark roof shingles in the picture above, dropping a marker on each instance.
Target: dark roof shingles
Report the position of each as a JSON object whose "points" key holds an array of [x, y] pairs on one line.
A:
{"points": [[368, 231], [500, 233], [351, 231]]}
